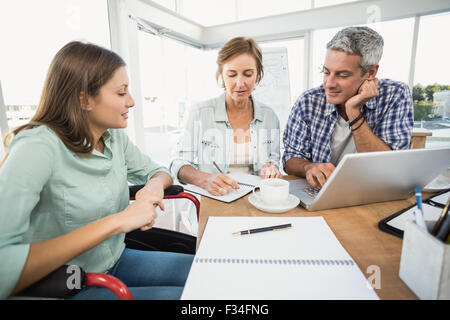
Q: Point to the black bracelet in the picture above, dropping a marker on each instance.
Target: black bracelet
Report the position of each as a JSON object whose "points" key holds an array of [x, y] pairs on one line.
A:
{"points": [[355, 120], [364, 119]]}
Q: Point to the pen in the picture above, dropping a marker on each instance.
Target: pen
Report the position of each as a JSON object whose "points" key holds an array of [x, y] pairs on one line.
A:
{"points": [[220, 170], [273, 228], [217, 167], [419, 211]]}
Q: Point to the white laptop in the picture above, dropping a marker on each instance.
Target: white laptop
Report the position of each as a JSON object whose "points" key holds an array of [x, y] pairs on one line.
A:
{"points": [[362, 178]]}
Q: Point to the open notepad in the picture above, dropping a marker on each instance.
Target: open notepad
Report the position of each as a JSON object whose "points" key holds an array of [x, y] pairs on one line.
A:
{"points": [[246, 184], [304, 262]]}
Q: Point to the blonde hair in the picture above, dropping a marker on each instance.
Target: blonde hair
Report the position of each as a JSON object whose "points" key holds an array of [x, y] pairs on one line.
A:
{"points": [[238, 46], [77, 72]]}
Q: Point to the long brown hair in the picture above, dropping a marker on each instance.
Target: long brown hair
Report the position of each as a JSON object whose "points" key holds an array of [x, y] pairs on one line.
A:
{"points": [[235, 47], [77, 72]]}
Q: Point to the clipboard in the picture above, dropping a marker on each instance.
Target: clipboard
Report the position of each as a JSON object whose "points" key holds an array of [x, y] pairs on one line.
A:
{"points": [[387, 224]]}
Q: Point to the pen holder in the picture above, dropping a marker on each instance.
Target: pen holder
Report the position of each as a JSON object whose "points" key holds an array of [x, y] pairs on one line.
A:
{"points": [[425, 263]]}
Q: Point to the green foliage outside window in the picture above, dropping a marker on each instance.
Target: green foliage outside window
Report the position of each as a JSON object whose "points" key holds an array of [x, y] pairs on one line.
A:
{"points": [[423, 100]]}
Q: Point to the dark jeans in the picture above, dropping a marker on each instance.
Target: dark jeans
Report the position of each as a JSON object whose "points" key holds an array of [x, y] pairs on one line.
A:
{"points": [[150, 275]]}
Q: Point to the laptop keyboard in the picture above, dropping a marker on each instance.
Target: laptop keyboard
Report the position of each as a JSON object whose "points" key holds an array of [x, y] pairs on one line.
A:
{"points": [[311, 191]]}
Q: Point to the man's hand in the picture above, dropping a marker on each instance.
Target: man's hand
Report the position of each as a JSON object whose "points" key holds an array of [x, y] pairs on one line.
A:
{"points": [[318, 173], [367, 90]]}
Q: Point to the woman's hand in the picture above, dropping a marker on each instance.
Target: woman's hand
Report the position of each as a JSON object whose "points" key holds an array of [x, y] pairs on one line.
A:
{"points": [[141, 214], [220, 184], [269, 170], [153, 191]]}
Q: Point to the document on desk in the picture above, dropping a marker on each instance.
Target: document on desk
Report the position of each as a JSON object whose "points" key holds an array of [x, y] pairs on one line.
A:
{"points": [[430, 213], [303, 262], [431, 208], [246, 184]]}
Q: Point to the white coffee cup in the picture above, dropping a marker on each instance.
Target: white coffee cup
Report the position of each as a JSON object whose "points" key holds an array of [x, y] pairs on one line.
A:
{"points": [[273, 191]]}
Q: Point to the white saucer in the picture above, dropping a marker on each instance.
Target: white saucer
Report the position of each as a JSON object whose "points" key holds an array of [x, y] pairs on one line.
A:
{"points": [[291, 203]]}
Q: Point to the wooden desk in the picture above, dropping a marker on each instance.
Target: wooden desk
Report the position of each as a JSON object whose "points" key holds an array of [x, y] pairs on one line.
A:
{"points": [[355, 227], [418, 139]]}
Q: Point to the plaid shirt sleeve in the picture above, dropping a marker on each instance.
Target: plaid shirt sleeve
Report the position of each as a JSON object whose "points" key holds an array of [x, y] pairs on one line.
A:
{"points": [[296, 137], [395, 126]]}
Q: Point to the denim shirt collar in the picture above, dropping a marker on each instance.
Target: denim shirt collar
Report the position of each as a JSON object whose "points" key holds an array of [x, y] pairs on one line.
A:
{"points": [[220, 112]]}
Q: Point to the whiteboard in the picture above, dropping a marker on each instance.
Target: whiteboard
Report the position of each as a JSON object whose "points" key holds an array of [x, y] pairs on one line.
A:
{"points": [[274, 89]]}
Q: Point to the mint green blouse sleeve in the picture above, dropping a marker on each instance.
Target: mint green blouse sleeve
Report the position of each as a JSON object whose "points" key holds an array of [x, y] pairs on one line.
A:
{"points": [[22, 177]]}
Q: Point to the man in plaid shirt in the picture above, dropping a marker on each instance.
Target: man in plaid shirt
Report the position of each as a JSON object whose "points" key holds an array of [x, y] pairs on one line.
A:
{"points": [[351, 112]]}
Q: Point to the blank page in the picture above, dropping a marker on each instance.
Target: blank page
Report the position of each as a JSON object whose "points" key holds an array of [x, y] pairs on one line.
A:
{"points": [[304, 262]]}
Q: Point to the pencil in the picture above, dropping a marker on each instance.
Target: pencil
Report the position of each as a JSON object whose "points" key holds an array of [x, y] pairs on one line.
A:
{"points": [[441, 219]]}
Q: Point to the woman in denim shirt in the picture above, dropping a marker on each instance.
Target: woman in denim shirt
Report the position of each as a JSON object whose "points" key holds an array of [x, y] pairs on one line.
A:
{"points": [[233, 130]]}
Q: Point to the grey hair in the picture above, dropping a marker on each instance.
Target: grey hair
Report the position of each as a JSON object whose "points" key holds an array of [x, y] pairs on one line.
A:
{"points": [[362, 41]]}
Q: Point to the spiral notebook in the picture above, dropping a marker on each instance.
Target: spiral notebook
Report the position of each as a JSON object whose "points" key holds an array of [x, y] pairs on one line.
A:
{"points": [[304, 262], [245, 181]]}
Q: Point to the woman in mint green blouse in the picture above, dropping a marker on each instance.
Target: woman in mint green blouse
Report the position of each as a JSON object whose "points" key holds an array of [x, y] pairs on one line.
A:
{"points": [[63, 185]]}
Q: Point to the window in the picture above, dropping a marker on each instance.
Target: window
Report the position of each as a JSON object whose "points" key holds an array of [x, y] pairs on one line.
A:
{"points": [[396, 58], [173, 76], [34, 31], [432, 61], [431, 90], [320, 40]]}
